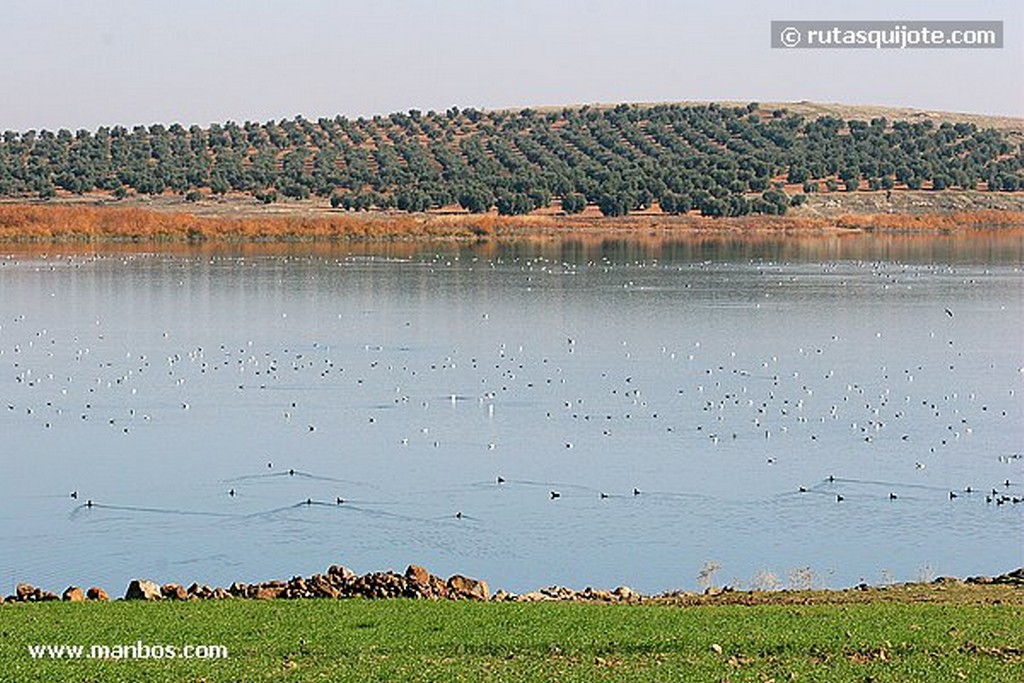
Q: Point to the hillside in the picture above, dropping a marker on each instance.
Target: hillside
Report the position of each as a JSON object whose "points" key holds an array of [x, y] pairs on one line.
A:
{"points": [[1012, 126], [715, 159]]}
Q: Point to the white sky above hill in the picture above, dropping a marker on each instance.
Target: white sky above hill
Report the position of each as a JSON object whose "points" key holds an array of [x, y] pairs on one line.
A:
{"points": [[77, 64]]}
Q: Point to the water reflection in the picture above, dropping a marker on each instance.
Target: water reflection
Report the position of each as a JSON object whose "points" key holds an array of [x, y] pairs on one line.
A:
{"points": [[588, 411], [962, 247]]}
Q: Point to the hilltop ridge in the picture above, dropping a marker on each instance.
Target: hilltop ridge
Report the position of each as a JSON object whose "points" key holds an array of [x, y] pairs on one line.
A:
{"points": [[1001, 122], [712, 159]]}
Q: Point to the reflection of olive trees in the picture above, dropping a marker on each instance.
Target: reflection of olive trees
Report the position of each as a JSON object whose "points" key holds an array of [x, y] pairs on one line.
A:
{"points": [[706, 576], [802, 579], [715, 160], [765, 580]]}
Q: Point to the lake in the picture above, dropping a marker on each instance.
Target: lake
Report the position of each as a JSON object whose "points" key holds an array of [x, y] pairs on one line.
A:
{"points": [[822, 410]]}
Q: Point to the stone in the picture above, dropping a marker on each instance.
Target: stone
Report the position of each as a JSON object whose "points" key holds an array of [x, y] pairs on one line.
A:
{"points": [[380, 585], [532, 596], [336, 571], [142, 589], [204, 591], [326, 590], [319, 586], [625, 593], [173, 591], [474, 589], [267, 592], [948, 581], [73, 594], [1016, 577], [417, 575], [97, 594], [465, 587], [438, 588]]}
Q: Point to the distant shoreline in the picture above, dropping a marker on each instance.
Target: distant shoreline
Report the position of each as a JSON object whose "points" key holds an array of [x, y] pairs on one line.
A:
{"points": [[416, 582], [237, 219]]}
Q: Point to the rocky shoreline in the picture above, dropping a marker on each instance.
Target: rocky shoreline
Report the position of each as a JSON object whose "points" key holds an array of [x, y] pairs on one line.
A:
{"points": [[416, 583]]}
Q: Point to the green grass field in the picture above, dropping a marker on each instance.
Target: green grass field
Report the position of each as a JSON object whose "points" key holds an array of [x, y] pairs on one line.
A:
{"points": [[325, 640]]}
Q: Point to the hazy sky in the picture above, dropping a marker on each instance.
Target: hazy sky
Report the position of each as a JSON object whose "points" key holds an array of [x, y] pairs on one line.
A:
{"points": [[82, 64]]}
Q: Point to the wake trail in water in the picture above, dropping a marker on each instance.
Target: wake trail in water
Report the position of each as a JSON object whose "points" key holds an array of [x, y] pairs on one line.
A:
{"points": [[296, 474], [890, 484], [149, 510], [345, 506]]}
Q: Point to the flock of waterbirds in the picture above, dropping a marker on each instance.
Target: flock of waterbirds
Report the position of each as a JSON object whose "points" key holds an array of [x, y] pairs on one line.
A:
{"points": [[754, 400]]}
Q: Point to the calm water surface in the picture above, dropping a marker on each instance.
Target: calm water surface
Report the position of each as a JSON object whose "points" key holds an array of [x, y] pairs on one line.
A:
{"points": [[215, 404]]}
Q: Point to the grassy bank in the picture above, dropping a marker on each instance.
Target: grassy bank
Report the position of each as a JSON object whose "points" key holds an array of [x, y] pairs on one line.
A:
{"points": [[239, 221], [961, 636]]}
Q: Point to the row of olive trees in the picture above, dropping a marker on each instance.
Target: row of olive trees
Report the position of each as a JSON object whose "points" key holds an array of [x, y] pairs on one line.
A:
{"points": [[713, 159]]}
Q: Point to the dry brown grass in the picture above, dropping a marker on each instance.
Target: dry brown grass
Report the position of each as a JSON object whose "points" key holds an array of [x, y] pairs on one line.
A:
{"points": [[85, 223], [89, 223], [945, 592], [931, 222]]}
